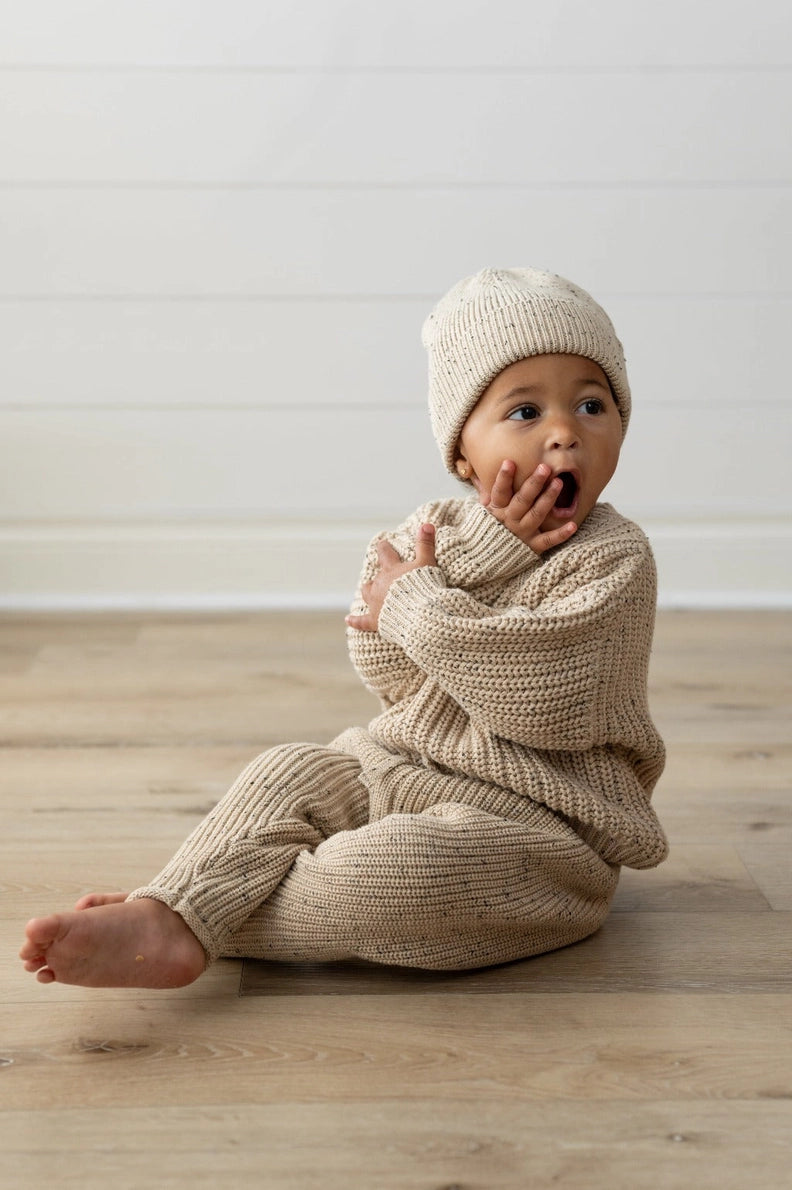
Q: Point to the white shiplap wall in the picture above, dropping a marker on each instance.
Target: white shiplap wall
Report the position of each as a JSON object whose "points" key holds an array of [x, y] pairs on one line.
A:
{"points": [[221, 226]]}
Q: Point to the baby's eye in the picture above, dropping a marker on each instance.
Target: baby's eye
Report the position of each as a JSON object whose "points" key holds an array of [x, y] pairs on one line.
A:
{"points": [[524, 413], [593, 406]]}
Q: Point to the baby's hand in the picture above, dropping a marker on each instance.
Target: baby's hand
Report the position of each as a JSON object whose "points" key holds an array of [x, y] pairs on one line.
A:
{"points": [[391, 568], [524, 511]]}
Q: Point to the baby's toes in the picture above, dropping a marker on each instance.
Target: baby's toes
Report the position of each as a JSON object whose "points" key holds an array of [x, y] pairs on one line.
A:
{"points": [[40, 933], [32, 952], [91, 900], [33, 956]]}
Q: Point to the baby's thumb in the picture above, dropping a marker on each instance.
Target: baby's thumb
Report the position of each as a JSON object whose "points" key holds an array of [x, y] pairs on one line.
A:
{"points": [[425, 546]]}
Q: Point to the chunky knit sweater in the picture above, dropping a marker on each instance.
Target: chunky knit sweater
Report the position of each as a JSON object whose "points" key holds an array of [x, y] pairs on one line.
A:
{"points": [[521, 672]]}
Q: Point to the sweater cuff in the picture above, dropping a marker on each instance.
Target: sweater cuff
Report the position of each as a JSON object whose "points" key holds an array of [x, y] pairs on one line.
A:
{"points": [[397, 614], [485, 549]]}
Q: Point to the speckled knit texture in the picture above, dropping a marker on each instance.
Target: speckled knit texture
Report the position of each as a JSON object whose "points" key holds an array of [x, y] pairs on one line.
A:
{"points": [[483, 816], [295, 864], [528, 673]]}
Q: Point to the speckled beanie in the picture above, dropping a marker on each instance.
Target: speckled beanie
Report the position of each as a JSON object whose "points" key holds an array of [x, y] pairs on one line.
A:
{"points": [[499, 316]]}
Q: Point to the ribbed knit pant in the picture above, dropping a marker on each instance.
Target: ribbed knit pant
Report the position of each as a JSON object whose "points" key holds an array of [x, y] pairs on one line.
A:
{"points": [[306, 858]]}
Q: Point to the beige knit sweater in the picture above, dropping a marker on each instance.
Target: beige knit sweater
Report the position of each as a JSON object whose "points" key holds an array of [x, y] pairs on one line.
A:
{"points": [[527, 673]]}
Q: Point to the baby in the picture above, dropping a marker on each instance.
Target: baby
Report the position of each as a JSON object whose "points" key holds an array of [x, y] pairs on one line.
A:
{"points": [[484, 814]]}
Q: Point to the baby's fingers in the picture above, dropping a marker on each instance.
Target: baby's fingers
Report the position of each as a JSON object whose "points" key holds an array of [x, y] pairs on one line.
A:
{"points": [[425, 546], [533, 501], [503, 487], [365, 623], [534, 495], [554, 537], [386, 554]]}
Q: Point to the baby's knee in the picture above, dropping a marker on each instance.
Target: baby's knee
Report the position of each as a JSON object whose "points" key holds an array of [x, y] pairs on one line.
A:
{"points": [[302, 766]]}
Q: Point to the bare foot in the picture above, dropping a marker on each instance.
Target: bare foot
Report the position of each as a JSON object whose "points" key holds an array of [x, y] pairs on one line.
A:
{"points": [[141, 944]]}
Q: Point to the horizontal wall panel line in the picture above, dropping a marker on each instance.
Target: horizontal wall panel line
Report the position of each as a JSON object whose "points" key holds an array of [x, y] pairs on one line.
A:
{"points": [[602, 295], [583, 184], [93, 528], [361, 408], [349, 527], [247, 298], [530, 70]]}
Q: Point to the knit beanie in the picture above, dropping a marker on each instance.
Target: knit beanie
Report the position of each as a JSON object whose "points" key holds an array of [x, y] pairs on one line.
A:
{"points": [[499, 316]]}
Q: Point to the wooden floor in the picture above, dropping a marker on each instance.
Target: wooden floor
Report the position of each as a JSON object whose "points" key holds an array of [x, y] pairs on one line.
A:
{"points": [[657, 1054]]}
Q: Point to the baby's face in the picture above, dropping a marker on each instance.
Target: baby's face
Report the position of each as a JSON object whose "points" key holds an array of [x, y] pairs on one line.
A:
{"points": [[552, 409]]}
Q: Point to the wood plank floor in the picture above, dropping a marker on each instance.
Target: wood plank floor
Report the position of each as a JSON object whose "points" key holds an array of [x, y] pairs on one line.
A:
{"points": [[655, 1055]]}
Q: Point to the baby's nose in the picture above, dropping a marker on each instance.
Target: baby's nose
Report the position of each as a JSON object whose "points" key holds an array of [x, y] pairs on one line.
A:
{"points": [[561, 434]]}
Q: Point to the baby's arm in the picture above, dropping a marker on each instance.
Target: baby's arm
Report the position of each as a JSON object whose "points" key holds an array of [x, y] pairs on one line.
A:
{"points": [[391, 567], [383, 666], [469, 548], [539, 676]]}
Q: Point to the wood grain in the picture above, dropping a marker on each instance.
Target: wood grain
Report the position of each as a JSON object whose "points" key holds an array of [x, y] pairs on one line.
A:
{"points": [[426, 1144], [654, 1056], [540, 1046]]}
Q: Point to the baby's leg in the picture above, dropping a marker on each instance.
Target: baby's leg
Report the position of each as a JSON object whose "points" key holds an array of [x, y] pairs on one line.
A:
{"points": [[453, 887], [288, 800]]}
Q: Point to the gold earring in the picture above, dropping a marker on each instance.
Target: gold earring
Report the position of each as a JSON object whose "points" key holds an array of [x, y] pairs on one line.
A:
{"points": [[462, 469]]}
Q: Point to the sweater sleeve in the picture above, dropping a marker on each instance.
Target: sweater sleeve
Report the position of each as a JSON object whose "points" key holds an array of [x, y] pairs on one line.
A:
{"points": [[382, 665], [470, 546], [544, 675]]}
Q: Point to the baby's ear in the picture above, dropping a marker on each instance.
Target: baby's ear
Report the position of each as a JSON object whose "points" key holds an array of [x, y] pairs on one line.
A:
{"points": [[462, 468]]}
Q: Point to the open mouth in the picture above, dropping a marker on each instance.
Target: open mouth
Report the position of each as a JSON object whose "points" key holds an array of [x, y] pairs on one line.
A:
{"points": [[567, 497]]}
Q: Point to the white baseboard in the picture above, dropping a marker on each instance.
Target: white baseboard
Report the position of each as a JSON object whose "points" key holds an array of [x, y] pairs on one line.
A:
{"points": [[712, 565], [206, 565], [260, 565]]}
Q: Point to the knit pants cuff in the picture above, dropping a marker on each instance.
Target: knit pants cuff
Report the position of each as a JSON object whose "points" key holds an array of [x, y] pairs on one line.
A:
{"points": [[210, 943]]}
